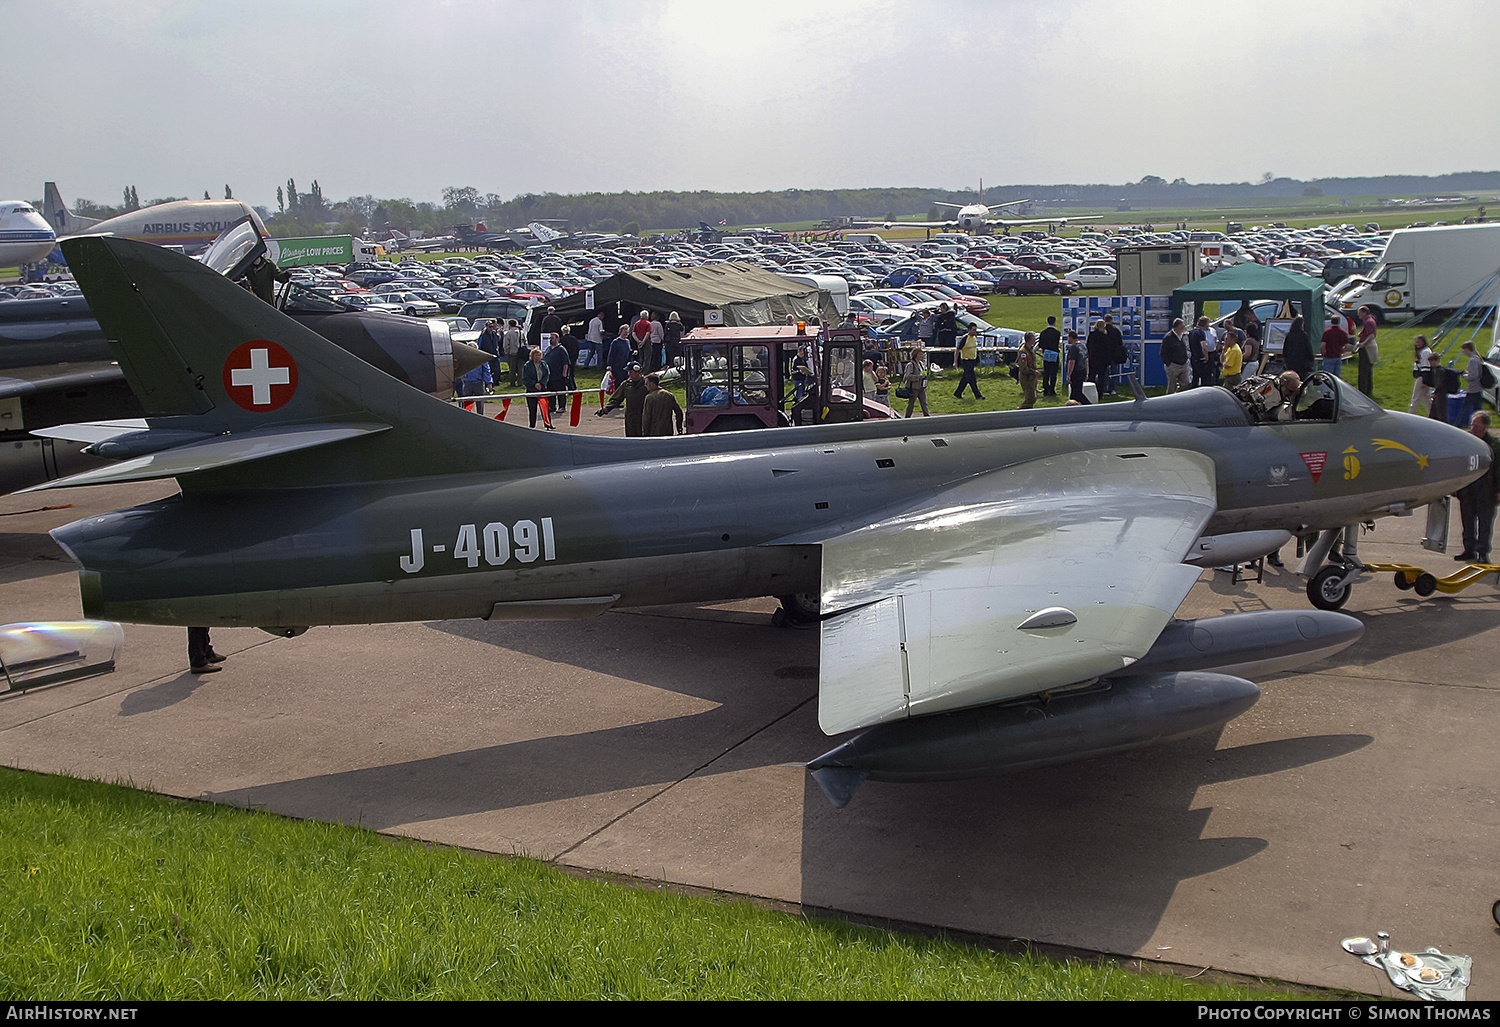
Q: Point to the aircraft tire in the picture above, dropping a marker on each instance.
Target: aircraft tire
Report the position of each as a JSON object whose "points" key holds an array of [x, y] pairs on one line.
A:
{"points": [[1425, 585], [1401, 581], [1326, 590], [801, 608]]}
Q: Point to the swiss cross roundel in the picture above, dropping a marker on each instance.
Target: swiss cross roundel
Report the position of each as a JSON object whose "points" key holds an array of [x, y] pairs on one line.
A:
{"points": [[260, 375]]}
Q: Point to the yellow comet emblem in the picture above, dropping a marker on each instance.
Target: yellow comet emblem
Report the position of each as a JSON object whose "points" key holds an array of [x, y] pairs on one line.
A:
{"points": [[1392, 444]]}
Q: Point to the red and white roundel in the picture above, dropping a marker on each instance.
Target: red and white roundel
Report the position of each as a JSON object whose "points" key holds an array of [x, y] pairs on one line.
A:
{"points": [[260, 375]]}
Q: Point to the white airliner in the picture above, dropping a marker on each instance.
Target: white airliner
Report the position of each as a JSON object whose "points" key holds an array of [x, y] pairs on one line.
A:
{"points": [[975, 217], [25, 237]]}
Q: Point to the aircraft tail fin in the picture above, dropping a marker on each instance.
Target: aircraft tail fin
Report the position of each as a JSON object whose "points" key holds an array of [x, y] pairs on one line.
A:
{"points": [[206, 356], [63, 220]]}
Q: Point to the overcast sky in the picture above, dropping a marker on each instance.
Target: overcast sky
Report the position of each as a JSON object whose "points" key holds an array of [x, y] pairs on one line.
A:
{"points": [[399, 98]]}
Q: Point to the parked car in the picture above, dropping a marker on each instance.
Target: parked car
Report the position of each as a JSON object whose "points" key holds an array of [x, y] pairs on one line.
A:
{"points": [[1028, 283], [410, 304], [956, 299], [1336, 269], [1093, 276]]}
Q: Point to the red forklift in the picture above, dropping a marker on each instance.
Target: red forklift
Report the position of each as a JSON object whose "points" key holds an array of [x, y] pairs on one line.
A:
{"points": [[774, 376]]}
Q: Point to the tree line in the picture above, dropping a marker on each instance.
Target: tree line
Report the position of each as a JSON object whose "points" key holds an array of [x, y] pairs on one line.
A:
{"points": [[308, 212]]}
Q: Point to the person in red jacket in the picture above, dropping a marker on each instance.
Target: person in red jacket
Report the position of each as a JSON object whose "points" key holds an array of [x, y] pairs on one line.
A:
{"points": [[1335, 341]]}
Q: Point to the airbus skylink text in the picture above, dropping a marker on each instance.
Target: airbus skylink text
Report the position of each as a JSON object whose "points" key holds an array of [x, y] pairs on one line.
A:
{"points": [[1399, 1011]]}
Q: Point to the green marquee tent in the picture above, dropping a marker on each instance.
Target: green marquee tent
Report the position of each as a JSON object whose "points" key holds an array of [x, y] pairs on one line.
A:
{"points": [[1250, 282], [745, 293]]}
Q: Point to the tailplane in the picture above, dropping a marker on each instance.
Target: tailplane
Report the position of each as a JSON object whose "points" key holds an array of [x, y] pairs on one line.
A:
{"points": [[262, 397], [63, 220]]}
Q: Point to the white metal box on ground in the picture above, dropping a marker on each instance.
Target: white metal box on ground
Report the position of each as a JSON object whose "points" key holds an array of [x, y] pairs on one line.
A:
{"points": [[1155, 270]]}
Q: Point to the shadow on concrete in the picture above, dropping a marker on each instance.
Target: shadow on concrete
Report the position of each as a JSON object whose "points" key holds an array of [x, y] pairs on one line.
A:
{"points": [[753, 674], [28, 555], [1087, 854], [161, 695], [703, 652], [1445, 621]]}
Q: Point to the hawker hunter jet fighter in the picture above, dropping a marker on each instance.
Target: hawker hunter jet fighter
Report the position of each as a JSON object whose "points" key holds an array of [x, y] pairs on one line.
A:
{"points": [[992, 590]]}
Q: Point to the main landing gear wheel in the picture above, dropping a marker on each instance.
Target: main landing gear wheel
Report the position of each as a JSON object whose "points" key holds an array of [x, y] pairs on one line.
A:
{"points": [[1327, 590], [1425, 585], [798, 611]]}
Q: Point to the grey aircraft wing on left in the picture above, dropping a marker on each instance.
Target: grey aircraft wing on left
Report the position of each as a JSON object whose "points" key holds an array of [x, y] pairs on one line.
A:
{"points": [[992, 591]]}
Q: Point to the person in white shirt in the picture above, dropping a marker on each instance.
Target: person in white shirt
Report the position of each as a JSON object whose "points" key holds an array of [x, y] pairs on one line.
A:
{"points": [[595, 338], [1421, 373]]}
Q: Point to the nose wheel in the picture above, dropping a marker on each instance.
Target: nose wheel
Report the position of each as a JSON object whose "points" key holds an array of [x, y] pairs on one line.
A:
{"points": [[1329, 588]]}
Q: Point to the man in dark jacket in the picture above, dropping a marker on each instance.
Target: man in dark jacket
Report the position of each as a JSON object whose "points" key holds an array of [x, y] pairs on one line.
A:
{"points": [[551, 329], [1296, 350], [945, 329], [1076, 359], [619, 356], [490, 341], [1174, 357], [1051, 347], [1476, 500], [1100, 350], [559, 376], [1118, 355]]}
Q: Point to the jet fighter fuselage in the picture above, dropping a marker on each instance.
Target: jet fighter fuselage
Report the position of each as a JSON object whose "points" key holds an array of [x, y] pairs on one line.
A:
{"points": [[601, 523]]}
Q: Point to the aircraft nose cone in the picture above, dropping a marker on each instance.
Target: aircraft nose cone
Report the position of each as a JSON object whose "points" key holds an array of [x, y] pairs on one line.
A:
{"points": [[466, 358]]}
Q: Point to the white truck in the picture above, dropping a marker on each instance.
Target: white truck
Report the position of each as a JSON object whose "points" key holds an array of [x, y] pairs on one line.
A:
{"points": [[1425, 269], [836, 287]]}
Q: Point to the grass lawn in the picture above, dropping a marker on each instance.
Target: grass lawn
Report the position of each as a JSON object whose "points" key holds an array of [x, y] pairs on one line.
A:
{"points": [[108, 893]]}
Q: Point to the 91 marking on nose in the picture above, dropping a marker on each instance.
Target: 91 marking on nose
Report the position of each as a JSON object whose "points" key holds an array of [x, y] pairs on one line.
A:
{"points": [[495, 543]]}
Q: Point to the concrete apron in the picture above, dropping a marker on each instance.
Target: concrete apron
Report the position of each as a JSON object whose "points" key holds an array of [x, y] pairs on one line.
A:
{"points": [[665, 744]]}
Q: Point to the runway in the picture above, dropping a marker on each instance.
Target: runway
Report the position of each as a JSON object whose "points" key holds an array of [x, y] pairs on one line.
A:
{"points": [[667, 743]]}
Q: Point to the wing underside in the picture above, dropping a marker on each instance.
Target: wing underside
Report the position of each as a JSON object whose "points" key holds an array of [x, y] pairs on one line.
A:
{"points": [[1033, 577]]}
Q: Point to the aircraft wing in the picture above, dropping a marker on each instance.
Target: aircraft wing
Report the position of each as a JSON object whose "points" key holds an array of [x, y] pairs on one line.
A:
{"points": [[24, 381], [1020, 580], [213, 453], [1041, 221]]}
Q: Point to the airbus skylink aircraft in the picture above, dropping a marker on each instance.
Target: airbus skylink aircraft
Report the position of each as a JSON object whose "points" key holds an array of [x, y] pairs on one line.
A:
{"points": [[995, 590]]}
